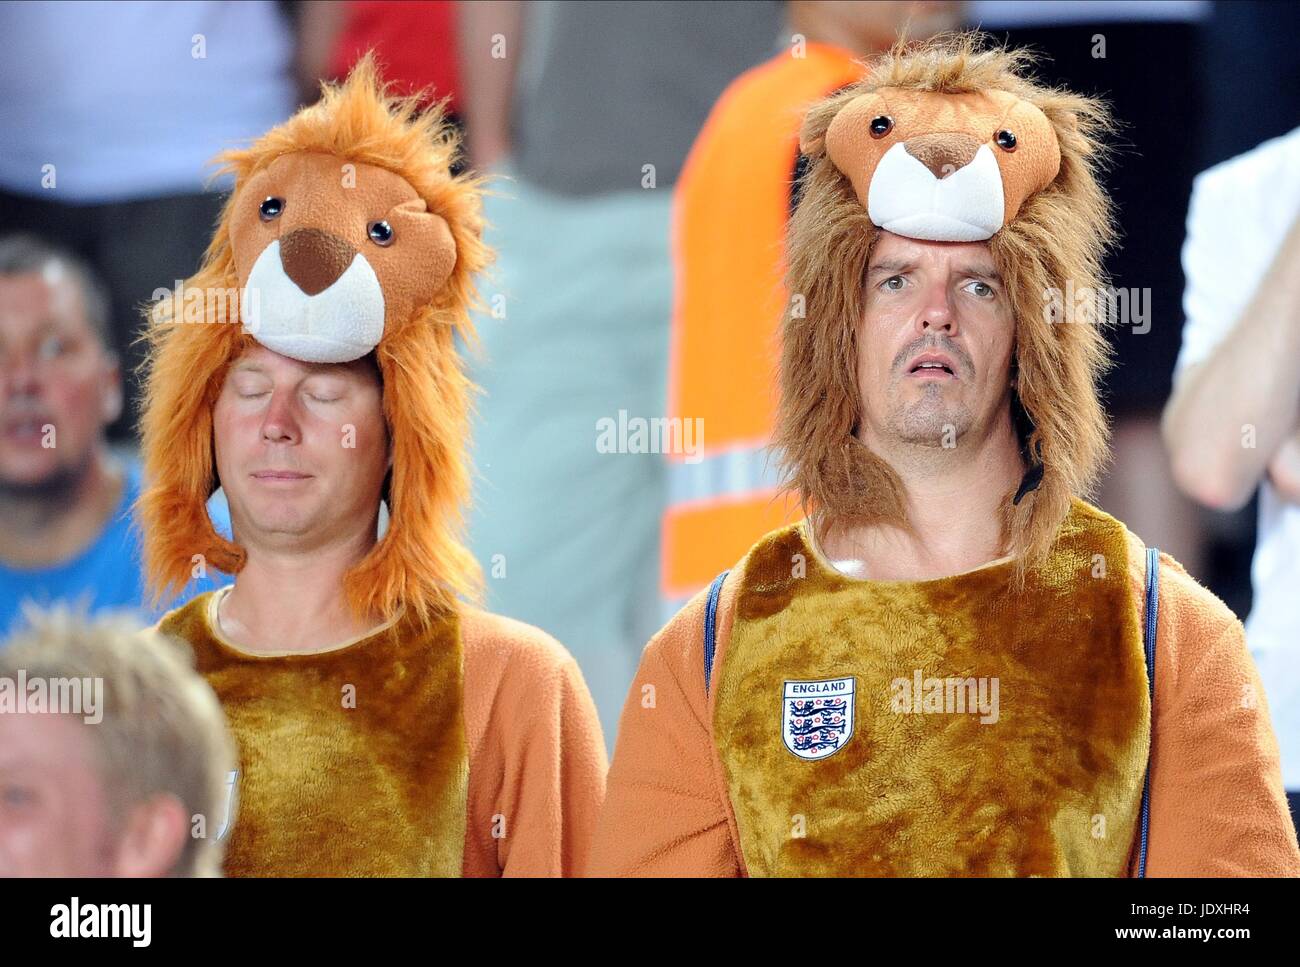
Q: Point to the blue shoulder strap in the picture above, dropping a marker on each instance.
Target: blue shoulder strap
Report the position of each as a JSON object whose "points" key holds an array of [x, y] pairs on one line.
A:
{"points": [[711, 627], [1149, 645]]}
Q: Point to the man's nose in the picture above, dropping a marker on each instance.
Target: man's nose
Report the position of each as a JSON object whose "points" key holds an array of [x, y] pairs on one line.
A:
{"points": [[280, 424], [21, 375], [936, 314], [938, 321]]}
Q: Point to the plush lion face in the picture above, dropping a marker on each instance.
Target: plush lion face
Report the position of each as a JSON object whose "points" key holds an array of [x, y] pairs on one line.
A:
{"points": [[329, 253], [346, 234], [943, 167]]}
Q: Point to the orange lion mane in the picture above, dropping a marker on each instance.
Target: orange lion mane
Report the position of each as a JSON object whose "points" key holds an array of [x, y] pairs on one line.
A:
{"points": [[421, 563], [1060, 235]]}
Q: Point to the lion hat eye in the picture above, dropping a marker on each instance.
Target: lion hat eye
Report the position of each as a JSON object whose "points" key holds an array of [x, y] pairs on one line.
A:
{"points": [[271, 208], [381, 233]]}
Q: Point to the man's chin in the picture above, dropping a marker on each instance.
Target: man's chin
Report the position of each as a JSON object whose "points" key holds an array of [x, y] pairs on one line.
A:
{"points": [[927, 425], [280, 526], [34, 475]]}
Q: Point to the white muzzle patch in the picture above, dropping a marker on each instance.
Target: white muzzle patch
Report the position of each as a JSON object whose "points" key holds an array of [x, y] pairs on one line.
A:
{"points": [[337, 325], [907, 199]]}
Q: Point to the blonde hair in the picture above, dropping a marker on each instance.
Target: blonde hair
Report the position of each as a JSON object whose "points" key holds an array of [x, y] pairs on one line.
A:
{"points": [[162, 730], [1060, 234]]}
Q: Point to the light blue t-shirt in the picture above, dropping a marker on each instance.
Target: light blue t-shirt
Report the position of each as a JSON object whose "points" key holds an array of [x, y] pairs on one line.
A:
{"points": [[109, 102], [107, 575]]}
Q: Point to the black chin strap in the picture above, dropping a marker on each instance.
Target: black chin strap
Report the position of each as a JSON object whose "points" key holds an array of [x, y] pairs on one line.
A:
{"points": [[1033, 476], [1025, 430]]}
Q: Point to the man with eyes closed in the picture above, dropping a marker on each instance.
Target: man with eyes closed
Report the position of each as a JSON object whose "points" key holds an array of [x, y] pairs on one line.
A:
{"points": [[386, 725], [302, 454]]}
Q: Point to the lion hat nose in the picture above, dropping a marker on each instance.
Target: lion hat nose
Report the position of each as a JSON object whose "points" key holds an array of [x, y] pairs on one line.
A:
{"points": [[942, 153], [314, 259]]}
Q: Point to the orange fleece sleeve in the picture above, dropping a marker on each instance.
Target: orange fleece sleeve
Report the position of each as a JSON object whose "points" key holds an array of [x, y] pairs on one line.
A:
{"points": [[1218, 807], [537, 758], [666, 811]]}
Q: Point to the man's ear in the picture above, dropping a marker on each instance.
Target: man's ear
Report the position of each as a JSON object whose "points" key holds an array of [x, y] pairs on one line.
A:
{"points": [[153, 837]]}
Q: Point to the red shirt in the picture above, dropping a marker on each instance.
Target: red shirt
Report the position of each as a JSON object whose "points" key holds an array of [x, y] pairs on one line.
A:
{"points": [[414, 42]]}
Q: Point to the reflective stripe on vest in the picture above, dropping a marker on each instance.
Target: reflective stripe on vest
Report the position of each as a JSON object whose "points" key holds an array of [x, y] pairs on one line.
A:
{"points": [[715, 507], [730, 210]]}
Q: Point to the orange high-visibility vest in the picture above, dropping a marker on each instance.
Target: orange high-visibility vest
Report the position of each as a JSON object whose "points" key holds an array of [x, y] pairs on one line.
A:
{"points": [[730, 209]]}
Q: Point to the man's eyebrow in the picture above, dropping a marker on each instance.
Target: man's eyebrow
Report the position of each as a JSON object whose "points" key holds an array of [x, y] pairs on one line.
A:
{"points": [[981, 271], [335, 370], [891, 266]]}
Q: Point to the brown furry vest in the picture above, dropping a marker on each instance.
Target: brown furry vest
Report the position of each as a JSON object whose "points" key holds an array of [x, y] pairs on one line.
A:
{"points": [[352, 762], [936, 728]]}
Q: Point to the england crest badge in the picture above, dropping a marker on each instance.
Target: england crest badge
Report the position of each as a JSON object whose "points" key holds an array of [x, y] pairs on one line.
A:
{"points": [[817, 717]]}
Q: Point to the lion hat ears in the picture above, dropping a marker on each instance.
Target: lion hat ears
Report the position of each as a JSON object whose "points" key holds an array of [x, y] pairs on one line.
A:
{"points": [[345, 234], [950, 140]]}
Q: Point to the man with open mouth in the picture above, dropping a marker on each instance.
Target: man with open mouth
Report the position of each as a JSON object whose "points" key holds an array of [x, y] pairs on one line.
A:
{"points": [[66, 533], [820, 709]]}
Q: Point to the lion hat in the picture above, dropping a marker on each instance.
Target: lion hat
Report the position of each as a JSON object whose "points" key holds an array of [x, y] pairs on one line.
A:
{"points": [[345, 234], [950, 140]]}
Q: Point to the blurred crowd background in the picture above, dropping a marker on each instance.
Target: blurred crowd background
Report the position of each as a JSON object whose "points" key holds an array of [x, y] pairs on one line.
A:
{"points": [[644, 156]]}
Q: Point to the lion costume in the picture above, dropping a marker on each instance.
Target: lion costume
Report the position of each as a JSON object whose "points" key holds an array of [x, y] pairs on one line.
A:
{"points": [[999, 721], [472, 745]]}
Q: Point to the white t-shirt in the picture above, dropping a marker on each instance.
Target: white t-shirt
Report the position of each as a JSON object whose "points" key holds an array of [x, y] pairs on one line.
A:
{"points": [[1240, 213], [131, 100]]}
